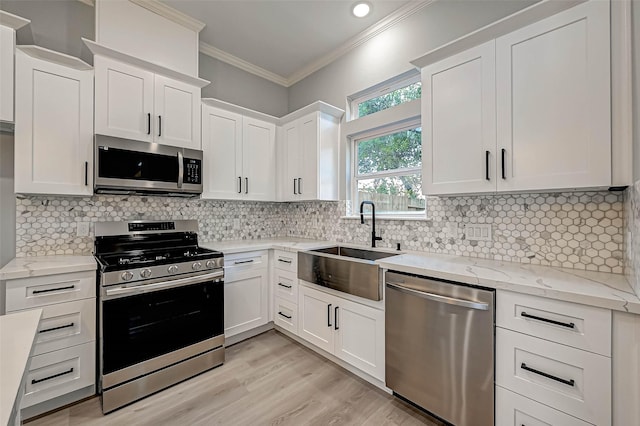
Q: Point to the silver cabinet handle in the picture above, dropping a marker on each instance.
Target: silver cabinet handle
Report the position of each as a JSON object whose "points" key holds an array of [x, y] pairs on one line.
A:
{"points": [[438, 298]]}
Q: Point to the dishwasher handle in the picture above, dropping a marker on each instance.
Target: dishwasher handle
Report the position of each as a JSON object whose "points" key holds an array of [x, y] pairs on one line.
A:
{"points": [[439, 298]]}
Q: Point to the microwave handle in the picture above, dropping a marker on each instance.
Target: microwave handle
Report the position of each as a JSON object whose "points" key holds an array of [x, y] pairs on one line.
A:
{"points": [[180, 169]]}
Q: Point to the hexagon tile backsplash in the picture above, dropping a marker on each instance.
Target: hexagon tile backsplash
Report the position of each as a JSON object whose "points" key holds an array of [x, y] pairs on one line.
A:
{"points": [[582, 230]]}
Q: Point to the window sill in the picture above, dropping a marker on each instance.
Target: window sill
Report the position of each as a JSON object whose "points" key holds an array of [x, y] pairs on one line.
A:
{"points": [[390, 217]]}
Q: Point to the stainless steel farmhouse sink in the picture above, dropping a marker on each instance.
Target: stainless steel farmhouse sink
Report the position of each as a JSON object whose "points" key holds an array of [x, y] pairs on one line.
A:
{"points": [[346, 269]]}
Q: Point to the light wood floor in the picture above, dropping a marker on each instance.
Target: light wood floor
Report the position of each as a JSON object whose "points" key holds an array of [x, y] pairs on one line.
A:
{"points": [[266, 380]]}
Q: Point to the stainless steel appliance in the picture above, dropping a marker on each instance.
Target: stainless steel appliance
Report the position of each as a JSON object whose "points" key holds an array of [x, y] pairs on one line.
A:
{"points": [[161, 308], [124, 166], [440, 347]]}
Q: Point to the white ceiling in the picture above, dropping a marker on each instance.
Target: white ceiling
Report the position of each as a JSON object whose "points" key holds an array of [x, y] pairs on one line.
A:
{"points": [[283, 37]]}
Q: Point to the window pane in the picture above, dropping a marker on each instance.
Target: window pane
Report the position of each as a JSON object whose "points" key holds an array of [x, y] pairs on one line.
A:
{"points": [[390, 99], [399, 150], [393, 194]]}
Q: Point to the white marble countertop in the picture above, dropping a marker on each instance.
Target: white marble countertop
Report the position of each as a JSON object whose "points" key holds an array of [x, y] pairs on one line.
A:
{"points": [[610, 291], [17, 334], [23, 267], [286, 244]]}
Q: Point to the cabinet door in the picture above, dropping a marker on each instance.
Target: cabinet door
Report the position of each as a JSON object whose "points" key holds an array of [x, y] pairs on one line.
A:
{"points": [[124, 100], [258, 159], [245, 300], [553, 102], [315, 319], [222, 153], [293, 158], [309, 138], [458, 113], [360, 337], [54, 128], [177, 113]]}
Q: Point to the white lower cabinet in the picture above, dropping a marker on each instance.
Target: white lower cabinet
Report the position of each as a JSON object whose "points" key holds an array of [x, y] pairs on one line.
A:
{"points": [[515, 410], [246, 289], [57, 373], [348, 330], [286, 315]]}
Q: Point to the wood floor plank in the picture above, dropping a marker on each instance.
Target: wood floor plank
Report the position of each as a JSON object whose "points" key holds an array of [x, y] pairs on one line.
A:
{"points": [[266, 380]]}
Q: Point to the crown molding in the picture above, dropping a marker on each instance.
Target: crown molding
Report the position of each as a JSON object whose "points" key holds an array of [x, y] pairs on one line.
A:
{"points": [[379, 27], [91, 3], [12, 21], [396, 17], [170, 13], [230, 59]]}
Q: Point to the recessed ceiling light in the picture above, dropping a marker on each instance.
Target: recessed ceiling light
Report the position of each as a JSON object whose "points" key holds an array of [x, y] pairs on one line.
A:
{"points": [[361, 9]]}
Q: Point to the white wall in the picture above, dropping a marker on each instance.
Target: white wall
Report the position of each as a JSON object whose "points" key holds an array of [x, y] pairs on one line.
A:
{"points": [[7, 201], [635, 12], [239, 87], [389, 53]]}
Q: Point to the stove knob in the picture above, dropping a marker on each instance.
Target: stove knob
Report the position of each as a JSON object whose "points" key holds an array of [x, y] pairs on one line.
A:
{"points": [[211, 264], [172, 269], [196, 266], [126, 276], [145, 273]]}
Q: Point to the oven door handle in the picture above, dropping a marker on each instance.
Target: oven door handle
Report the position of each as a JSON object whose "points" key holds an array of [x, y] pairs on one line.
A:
{"points": [[145, 288]]}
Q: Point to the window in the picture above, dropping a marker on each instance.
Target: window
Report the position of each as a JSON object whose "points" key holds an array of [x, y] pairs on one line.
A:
{"points": [[388, 170], [386, 95]]}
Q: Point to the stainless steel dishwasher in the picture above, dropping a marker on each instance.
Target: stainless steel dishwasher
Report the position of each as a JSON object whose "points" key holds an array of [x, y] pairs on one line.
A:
{"points": [[440, 347]]}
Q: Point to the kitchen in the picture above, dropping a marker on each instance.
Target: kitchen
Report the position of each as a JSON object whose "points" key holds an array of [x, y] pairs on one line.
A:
{"points": [[57, 224]]}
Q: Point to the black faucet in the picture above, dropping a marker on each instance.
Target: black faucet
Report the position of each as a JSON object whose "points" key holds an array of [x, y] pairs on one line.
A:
{"points": [[373, 221]]}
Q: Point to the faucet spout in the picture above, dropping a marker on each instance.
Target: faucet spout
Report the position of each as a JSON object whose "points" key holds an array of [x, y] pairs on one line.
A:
{"points": [[374, 238]]}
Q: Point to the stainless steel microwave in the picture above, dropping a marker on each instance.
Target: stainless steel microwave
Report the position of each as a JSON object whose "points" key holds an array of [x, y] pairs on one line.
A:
{"points": [[124, 166]]}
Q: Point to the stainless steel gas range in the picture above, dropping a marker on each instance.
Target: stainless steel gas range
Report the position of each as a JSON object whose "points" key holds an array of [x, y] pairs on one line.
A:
{"points": [[161, 308]]}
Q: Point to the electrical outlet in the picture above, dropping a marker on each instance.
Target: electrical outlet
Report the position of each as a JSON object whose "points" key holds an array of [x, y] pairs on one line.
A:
{"points": [[478, 231], [82, 229], [452, 230], [236, 223]]}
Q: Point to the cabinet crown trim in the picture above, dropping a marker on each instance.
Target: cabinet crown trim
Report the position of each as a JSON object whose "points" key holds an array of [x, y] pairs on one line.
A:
{"points": [[12, 21], [55, 57], [506, 25], [317, 106], [102, 50]]}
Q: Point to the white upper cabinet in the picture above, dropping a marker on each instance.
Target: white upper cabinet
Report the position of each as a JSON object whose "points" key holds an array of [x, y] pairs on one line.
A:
{"points": [[239, 156], [529, 110], [309, 154], [458, 118], [8, 25], [553, 97], [54, 123], [135, 103]]}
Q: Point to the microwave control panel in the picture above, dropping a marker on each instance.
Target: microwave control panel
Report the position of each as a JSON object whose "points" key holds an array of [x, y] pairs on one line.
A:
{"points": [[192, 171]]}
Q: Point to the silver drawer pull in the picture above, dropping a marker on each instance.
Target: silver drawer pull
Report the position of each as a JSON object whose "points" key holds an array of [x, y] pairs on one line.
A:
{"points": [[34, 381], [284, 285], [438, 298], [560, 323], [283, 315], [547, 375], [240, 262], [284, 261], [49, 290], [56, 328]]}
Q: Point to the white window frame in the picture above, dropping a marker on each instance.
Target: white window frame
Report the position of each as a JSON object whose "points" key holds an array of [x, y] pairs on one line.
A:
{"points": [[381, 89], [355, 177]]}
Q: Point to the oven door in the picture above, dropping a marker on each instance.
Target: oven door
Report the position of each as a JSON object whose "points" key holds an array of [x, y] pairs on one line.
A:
{"points": [[147, 327], [135, 166]]}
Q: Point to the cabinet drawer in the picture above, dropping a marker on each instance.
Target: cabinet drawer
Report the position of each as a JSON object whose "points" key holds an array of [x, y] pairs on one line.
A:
{"points": [[286, 261], [251, 259], [286, 315], [66, 324], [571, 380], [57, 373], [581, 326], [286, 285], [31, 292], [515, 410]]}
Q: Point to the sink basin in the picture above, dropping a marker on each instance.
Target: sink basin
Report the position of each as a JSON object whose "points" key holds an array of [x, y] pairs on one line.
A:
{"points": [[346, 269]]}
